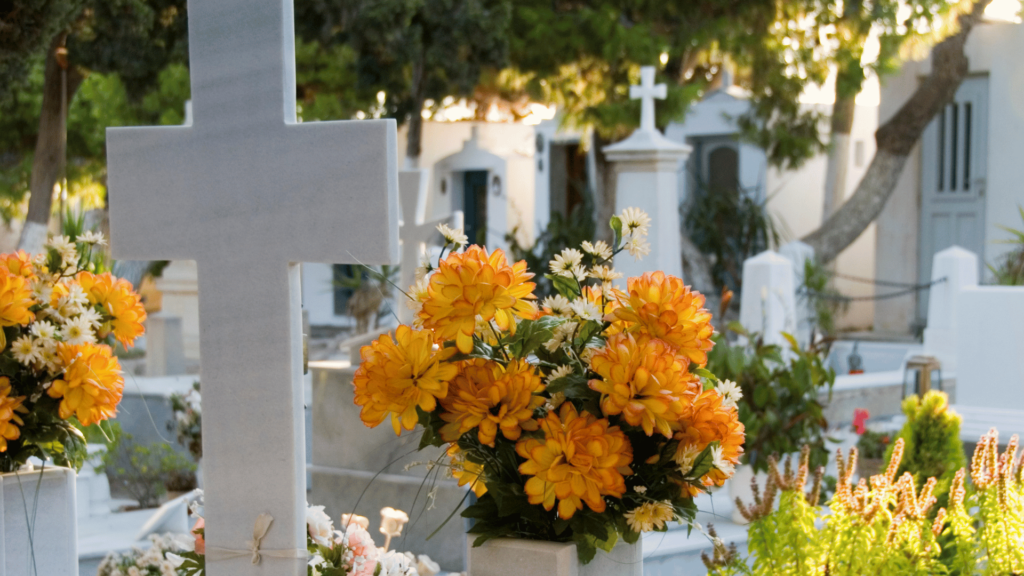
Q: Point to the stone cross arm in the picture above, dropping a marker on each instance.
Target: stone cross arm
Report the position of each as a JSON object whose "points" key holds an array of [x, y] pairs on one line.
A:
{"points": [[646, 92]]}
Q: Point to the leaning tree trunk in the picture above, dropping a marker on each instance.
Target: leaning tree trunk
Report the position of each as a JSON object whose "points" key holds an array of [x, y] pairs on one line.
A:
{"points": [[895, 139], [51, 144], [414, 139]]}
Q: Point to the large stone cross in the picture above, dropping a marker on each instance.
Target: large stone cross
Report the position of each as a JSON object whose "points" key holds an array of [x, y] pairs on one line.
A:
{"points": [[646, 92], [248, 193], [416, 234]]}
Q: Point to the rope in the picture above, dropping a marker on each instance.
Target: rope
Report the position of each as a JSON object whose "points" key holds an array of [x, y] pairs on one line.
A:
{"points": [[259, 531], [877, 282], [843, 298]]}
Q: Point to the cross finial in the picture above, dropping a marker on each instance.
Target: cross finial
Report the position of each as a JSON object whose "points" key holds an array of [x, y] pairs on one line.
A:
{"points": [[646, 92]]}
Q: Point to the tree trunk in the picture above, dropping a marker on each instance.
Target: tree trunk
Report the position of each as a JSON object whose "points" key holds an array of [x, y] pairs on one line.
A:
{"points": [[838, 154], [895, 140], [414, 139], [51, 145]]}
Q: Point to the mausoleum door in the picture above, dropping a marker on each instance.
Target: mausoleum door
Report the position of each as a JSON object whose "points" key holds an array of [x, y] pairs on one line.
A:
{"points": [[715, 166], [954, 154], [474, 205]]}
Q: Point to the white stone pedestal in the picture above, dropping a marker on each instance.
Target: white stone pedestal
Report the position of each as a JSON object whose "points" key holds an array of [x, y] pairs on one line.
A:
{"points": [[47, 501], [767, 302], [513, 557]]}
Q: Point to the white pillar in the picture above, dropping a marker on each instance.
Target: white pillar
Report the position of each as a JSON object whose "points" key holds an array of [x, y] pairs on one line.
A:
{"points": [[767, 303], [959, 267], [179, 285], [49, 498], [647, 177], [798, 253]]}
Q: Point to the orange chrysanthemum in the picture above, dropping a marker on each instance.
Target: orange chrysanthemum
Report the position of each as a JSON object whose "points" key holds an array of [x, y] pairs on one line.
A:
{"points": [[18, 263], [10, 406], [399, 374], [595, 294], [91, 385], [15, 299], [662, 307], [474, 284], [706, 421], [644, 380], [466, 471], [581, 459], [118, 299], [488, 396]]}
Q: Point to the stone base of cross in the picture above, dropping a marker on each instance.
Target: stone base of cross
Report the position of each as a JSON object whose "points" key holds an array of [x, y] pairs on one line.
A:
{"points": [[247, 192], [417, 234]]}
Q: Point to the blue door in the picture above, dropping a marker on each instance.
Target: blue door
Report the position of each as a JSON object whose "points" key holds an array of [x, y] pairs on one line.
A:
{"points": [[474, 205]]}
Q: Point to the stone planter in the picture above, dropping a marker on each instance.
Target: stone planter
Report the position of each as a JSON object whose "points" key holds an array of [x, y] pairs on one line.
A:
{"points": [[47, 501], [514, 557]]}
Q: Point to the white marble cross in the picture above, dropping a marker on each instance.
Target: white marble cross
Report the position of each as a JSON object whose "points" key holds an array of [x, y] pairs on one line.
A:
{"points": [[646, 92], [248, 193], [417, 235]]}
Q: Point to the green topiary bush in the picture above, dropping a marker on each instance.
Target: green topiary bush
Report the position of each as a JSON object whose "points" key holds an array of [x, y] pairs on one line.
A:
{"points": [[932, 445]]}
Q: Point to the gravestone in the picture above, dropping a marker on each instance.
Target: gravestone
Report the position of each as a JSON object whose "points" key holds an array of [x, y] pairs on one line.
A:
{"points": [[417, 234], [647, 167], [767, 302], [165, 345], [798, 253], [248, 192]]}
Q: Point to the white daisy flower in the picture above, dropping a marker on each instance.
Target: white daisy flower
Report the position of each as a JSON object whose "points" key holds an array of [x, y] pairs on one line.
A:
{"points": [[42, 291], [641, 489], [66, 248], [78, 331], [638, 247], [559, 305], [452, 236], [25, 350], [563, 332], [587, 355], [635, 222], [91, 237], [600, 249], [560, 372], [721, 462], [564, 262], [48, 356], [604, 274], [586, 309], [43, 329], [730, 393], [579, 272], [39, 261], [92, 317], [77, 295], [686, 457]]}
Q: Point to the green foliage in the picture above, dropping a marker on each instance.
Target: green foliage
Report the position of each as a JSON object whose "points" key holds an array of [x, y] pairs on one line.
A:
{"points": [[781, 407], [873, 444], [562, 232], [328, 83], [188, 419], [1010, 269], [27, 27], [825, 300], [729, 227], [142, 470], [932, 446]]}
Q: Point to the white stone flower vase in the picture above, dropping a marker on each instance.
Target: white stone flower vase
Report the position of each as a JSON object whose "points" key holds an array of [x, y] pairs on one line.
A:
{"points": [[46, 502], [514, 557]]}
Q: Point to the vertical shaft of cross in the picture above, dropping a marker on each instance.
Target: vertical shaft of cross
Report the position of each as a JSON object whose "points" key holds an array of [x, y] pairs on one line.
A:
{"points": [[646, 92], [252, 406]]}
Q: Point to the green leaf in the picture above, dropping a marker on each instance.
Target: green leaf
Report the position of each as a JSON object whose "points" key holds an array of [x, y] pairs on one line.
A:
{"points": [[703, 463], [573, 386], [531, 335], [566, 286], [616, 224]]}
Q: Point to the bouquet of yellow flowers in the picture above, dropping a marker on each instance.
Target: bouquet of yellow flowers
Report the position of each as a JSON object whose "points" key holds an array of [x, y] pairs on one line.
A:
{"points": [[586, 418], [60, 311]]}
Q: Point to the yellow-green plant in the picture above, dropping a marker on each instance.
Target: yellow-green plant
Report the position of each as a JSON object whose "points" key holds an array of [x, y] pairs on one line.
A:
{"points": [[885, 525]]}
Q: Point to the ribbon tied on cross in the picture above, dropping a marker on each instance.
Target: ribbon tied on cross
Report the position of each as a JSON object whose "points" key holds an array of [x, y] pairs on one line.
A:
{"points": [[259, 531]]}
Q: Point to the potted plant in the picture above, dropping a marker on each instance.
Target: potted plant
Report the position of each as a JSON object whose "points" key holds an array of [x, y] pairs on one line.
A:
{"points": [[871, 445], [579, 423], [60, 312], [779, 392]]}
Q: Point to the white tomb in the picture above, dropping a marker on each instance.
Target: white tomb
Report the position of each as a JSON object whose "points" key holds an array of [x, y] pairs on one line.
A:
{"points": [[799, 253], [647, 167], [767, 302], [247, 193], [417, 233]]}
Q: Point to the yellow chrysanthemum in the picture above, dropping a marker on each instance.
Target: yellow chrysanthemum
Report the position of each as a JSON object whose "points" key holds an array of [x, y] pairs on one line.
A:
{"points": [[118, 299], [15, 299], [649, 516], [91, 385], [474, 284], [18, 263], [10, 406], [706, 421], [399, 374], [644, 380], [662, 307], [488, 396], [581, 460], [465, 471]]}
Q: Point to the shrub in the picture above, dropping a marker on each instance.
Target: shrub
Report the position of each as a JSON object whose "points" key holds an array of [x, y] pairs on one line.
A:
{"points": [[780, 408], [142, 470], [884, 526], [188, 420], [932, 446]]}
